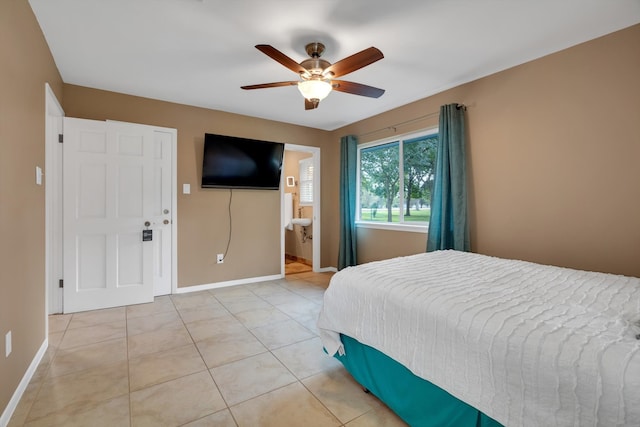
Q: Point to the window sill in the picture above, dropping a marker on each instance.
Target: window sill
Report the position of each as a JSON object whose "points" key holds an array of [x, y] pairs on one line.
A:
{"points": [[411, 228]]}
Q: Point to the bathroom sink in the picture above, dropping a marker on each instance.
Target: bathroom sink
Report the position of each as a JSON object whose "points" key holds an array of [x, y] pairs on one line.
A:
{"points": [[301, 221]]}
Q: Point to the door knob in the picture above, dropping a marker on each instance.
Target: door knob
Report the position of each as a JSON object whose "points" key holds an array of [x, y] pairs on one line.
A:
{"points": [[147, 223], [166, 211], [166, 221]]}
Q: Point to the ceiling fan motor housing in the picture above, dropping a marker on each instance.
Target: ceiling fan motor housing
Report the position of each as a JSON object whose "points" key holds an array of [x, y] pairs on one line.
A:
{"points": [[315, 66]]}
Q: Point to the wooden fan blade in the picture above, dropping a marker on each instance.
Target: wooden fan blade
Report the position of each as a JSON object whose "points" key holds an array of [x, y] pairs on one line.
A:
{"points": [[357, 89], [310, 105], [268, 85], [276, 55], [353, 62]]}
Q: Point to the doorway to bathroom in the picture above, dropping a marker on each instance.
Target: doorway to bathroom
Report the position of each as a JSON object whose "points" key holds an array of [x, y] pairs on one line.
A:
{"points": [[300, 209]]}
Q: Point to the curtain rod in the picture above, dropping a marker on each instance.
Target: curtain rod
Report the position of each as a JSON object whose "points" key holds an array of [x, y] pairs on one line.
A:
{"points": [[397, 125]]}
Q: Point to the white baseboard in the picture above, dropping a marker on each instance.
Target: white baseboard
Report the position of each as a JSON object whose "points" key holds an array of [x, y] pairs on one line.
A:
{"points": [[17, 395], [216, 285], [228, 283]]}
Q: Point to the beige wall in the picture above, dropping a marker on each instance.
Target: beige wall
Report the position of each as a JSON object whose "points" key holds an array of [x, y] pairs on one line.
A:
{"points": [[375, 244], [26, 66], [554, 158], [293, 243], [203, 220]]}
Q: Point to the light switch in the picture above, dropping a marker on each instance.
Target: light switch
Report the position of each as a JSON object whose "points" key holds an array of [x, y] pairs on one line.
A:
{"points": [[7, 344], [186, 188], [38, 175]]}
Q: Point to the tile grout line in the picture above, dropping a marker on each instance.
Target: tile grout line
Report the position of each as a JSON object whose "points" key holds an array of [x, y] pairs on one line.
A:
{"points": [[45, 375], [297, 380], [126, 339], [193, 341], [252, 291]]}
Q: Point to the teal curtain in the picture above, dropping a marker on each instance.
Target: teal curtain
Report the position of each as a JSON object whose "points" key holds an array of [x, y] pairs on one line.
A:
{"points": [[449, 226], [348, 165]]}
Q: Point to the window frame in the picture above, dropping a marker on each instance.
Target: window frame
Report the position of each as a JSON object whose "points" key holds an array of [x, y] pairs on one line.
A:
{"points": [[383, 225], [306, 163]]}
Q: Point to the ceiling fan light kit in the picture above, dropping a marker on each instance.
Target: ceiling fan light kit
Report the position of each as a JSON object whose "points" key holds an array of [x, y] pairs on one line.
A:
{"points": [[314, 89], [316, 74]]}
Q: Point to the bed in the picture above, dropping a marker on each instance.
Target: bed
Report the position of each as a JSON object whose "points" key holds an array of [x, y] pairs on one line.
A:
{"points": [[462, 339]]}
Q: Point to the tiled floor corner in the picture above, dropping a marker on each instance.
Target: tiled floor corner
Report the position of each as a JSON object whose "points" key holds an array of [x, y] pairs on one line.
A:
{"points": [[242, 356]]}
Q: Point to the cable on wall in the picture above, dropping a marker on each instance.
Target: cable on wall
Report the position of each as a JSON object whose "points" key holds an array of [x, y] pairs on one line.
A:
{"points": [[230, 224]]}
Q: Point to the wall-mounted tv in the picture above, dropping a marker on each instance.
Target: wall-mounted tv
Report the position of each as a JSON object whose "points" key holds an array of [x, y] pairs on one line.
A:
{"points": [[232, 162]]}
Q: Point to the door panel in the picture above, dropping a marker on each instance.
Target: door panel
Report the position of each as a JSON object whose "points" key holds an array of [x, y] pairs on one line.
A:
{"points": [[130, 191], [90, 255], [130, 259], [92, 189]]}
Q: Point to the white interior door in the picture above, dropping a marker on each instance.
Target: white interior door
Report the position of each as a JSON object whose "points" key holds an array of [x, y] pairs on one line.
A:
{"points": [[108, 197]]}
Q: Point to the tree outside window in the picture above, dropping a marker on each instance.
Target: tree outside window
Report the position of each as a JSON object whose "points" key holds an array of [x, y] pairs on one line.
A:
{"points": [[386, 198]]}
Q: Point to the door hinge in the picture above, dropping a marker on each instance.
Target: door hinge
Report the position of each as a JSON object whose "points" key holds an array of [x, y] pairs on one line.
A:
{"points": [[60, 138], [61, 283]]}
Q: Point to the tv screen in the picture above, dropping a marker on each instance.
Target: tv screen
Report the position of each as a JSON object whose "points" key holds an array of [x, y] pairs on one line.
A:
{"points": [[232, 162]]}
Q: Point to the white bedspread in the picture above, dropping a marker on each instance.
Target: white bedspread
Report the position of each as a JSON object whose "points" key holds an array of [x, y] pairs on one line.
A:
{"points": [[527, 344]]}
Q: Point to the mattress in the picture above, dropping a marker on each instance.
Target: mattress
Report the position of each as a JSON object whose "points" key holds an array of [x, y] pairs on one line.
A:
{"points": [[526, 344]]}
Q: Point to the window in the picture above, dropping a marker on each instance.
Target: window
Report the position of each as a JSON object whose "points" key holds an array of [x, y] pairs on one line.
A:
{"points": [[306, 181], [385, 200]]}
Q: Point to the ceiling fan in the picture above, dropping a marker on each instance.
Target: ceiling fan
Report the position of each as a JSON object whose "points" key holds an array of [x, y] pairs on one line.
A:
{"points": [[317, 74]]}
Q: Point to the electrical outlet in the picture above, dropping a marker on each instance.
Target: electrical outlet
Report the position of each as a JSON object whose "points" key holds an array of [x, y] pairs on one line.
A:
{"points": [[7, 344], [220, 258]]}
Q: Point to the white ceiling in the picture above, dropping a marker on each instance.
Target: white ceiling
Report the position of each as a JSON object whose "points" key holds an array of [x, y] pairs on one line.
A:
{"points": [[199, 52]]}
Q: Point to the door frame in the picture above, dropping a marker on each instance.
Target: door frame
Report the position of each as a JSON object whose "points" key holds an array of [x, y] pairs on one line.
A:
{"points": [[54, 115], [315, 242]]}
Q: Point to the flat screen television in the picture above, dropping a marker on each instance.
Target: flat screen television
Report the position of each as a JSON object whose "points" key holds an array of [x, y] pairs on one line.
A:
{"points": [[232, 162]]}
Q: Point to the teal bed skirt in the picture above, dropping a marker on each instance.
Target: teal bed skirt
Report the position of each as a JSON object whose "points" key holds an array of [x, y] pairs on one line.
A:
{"points": [[417, 401]]}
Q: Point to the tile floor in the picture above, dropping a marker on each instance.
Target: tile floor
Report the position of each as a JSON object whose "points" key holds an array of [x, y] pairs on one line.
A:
{"points": [[239, 356]]}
